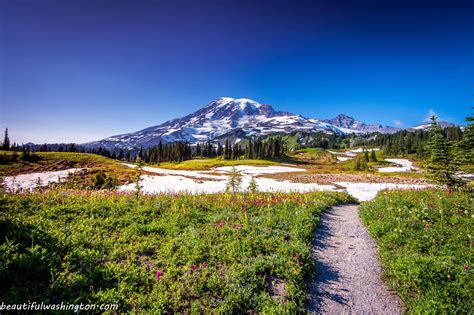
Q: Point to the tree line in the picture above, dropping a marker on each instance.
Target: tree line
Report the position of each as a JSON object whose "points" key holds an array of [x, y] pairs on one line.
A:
{"points": [[412, 142]]}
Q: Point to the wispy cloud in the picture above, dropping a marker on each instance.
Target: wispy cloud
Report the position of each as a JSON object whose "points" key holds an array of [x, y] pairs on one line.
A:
{"points": [[398, 123], [430, 114]]}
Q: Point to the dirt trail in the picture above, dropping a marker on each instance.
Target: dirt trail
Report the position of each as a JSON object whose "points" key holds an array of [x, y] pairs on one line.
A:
{"points": [[348, 271]]}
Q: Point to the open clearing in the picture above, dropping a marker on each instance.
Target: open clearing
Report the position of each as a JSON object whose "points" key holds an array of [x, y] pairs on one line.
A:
{"points": [[161, 180], [214, 181]]}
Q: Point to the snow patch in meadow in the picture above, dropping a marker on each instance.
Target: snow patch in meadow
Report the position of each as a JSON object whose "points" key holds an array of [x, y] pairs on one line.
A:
{"points": [[179, 184], [360, 150], [30, 181], [179, 181], [343, 158], [164, 171], [197, 182], [346, 154], [259, 170], [404, 165], [368, 191]]}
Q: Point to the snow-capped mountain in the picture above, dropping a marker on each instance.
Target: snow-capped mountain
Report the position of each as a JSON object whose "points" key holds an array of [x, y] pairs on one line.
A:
{"points": [[222, 118], [426, 126], [349, 125]]}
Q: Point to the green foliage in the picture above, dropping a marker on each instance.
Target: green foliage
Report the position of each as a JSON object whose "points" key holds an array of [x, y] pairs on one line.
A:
{"points": [[253, 187], [206, 164], [163, 254], [426, 244], [360, 163], [466, 145], [102, 181], [138, 187], [99, 180], [6, 141], [373, 156], [234, 182], [441, 164]]}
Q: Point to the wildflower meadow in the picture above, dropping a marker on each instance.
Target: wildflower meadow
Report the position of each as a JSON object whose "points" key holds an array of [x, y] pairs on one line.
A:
{"points": [[223, 253]]}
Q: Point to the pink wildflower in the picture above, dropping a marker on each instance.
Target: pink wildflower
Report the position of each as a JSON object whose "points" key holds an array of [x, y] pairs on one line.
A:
{"points": [[466, 267], [158, 275], [195, 267], [204, 265]]}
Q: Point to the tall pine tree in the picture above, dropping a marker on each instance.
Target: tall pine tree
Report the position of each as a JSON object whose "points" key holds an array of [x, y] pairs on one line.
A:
{"points": [[440, 163], [6, 141], [465, 154]]}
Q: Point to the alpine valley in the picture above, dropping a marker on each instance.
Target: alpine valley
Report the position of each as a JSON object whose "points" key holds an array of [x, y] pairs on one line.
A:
{"points": [[235, 119]]}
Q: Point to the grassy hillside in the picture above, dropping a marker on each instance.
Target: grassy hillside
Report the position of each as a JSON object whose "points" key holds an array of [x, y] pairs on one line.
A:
{"points": [[208, 163], [177, 254], [54, 161], [426, 243]]}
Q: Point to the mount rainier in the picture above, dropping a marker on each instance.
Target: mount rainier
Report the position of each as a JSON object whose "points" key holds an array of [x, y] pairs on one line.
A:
{"points": [[229, 117]]}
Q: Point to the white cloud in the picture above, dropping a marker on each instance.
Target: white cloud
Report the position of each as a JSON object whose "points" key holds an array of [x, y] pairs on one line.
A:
{"points": [[430, 114], [398, 123]]}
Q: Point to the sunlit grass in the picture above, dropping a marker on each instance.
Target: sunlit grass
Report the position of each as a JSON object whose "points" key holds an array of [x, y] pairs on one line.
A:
{"points": [[426, 243], [218, 253]]}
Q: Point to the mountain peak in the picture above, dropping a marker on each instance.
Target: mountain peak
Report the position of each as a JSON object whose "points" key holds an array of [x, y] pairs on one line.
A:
{"points": [[349, 123], [223, 118]]}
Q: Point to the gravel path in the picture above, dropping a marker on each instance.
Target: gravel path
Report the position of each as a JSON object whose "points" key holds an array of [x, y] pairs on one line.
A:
{"points": [[348, 272]]}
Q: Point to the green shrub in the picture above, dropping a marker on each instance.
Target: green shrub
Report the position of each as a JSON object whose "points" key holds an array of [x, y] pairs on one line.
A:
{"points": [[425, 241]]}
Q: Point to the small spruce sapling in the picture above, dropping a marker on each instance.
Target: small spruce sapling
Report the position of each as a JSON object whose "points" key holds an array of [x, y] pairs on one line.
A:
{"points": [[39, 183], [373, 156], [138, 187], [253, 187], [235, 181]]}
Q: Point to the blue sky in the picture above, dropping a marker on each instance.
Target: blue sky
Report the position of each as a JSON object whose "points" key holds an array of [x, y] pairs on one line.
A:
{"points": [[76, 71]]}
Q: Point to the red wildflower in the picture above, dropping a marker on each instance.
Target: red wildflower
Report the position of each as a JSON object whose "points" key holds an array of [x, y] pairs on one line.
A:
{"points": [[158, 275], [466, 267], [204, 265], [195, 267]]}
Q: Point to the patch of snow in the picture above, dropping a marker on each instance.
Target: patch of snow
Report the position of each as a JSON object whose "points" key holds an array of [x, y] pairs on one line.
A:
{"points": [[179, 181], [368, 191], [179, 184], [404, 166], [260, 170], [343, 158], [30, 181], [360, 150]]}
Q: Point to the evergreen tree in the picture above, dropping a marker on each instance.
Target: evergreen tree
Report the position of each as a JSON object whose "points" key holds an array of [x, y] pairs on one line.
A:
{"points": [[366, 156], [373, 156], [253, 187], [6, 141], [440, 164], [234, 182], [357, 165], [198, 150], [138, 187], [465, 154]]}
